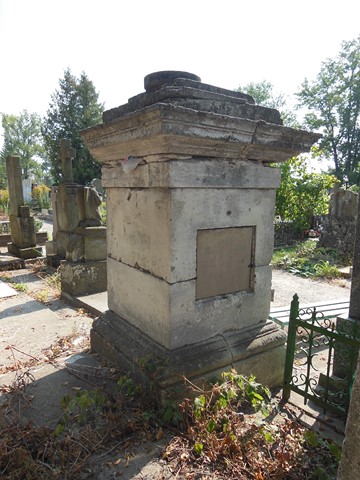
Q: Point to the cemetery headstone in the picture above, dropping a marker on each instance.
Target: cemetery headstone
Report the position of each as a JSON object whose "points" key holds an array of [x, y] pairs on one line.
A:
{"points": [[80, 241], [97, 184], [22, 227], [339, 227], [190, 210]]}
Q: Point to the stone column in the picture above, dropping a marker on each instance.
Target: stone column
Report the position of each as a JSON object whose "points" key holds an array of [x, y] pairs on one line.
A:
{"points": [[349, 467], [190, 209], [23, 238], [14, 175], [345, 356], [354, 308]]}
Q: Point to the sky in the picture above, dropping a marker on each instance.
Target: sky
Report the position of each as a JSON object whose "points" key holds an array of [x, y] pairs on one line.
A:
{"points": [[118, 42]]}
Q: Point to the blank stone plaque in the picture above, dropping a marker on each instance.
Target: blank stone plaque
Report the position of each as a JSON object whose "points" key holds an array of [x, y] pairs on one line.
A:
{"points": [[224, 259]]}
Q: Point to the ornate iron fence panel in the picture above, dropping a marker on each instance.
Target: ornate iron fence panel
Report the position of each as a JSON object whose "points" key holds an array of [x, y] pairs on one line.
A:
{"points": [[321, 366]]}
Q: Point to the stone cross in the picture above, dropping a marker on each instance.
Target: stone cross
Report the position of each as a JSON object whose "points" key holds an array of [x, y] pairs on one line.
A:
{"points": [[14, 175], [66, 154], [354, 308]]}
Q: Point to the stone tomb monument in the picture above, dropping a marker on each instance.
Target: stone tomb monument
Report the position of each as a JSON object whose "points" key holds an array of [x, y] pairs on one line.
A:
{"points": [[190, 209], [22, 228], [350, 460], [340, 224], [80, 237]]}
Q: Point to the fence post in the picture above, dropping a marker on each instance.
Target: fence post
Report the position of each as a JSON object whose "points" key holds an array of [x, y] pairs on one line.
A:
{"points": [[290, 347]]}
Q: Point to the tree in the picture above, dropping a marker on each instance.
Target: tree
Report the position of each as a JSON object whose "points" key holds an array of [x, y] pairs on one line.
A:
{"points": [[263, 94], [333, 101], [302, 194], [22, 137], [73, 107]]}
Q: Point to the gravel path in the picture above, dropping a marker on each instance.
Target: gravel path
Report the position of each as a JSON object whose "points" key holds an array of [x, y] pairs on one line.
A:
{"points": [[309, 290]]}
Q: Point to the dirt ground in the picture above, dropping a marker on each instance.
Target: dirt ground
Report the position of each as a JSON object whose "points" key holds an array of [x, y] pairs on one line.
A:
{"points": [[142, 461], [309, 290]]}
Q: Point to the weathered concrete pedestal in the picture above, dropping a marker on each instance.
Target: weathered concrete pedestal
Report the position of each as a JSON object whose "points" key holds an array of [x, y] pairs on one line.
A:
{"points": [[84, 270], [190, 208], [22, 227]]}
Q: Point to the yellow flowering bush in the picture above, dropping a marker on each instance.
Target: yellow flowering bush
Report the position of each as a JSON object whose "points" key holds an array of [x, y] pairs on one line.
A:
{"points": [[41, 195], [4, 201]]}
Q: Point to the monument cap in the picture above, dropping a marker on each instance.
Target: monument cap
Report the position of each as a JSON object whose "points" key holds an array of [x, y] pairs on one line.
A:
{"points": [[155, 80]]}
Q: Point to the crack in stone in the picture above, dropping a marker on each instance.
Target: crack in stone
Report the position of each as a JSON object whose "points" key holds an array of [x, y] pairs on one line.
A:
{"points": [[149, 272]]}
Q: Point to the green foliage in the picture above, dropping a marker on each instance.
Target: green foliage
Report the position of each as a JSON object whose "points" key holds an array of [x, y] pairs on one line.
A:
{"points": [[263, 94], [103, 212], [85, 405], [333, 102], [302, 194], [126, 386], [306, 260], [233, 390], [23, 138], [40, 194], [73, 107], [324, 269], [221, 440], [5, 201], [37, 224], [20, 287]]}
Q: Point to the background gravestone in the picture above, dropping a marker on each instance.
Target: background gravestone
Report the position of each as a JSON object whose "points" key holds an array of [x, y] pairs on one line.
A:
{"points": [[80, 240], [190, 210], [22, 227], [340, 224], [97, 184]]}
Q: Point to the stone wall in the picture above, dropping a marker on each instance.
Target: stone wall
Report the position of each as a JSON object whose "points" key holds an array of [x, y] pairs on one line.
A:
{"points": [[286, 233], [339, 226]]}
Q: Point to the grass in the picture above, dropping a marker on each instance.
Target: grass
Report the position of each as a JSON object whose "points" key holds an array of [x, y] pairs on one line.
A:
{"points": [[20, 287], [307, 260]]}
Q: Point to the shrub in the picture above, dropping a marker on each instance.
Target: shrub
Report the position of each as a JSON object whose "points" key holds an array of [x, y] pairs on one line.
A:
{"points": [[41, 195], [4, 201]]}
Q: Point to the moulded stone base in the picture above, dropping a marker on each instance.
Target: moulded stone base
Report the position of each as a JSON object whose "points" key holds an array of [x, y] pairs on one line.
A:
{"points": [[23, 230], [83, 278], [259, 350], [25, 253]]}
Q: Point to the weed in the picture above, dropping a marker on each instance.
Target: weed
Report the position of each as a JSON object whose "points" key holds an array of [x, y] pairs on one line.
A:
{"points": [[82, 408], [323, 269], [217, 440], [38, 224], [41, 296], [52, 280], [220, 441], [307, 260], [20, 287]]}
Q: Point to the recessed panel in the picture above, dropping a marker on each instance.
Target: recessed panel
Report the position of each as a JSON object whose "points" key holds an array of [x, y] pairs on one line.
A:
{"points": [[223, 261]]}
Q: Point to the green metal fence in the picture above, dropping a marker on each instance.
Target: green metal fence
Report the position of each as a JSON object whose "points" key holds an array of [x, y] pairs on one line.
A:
{"points": [[321, 358]]}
